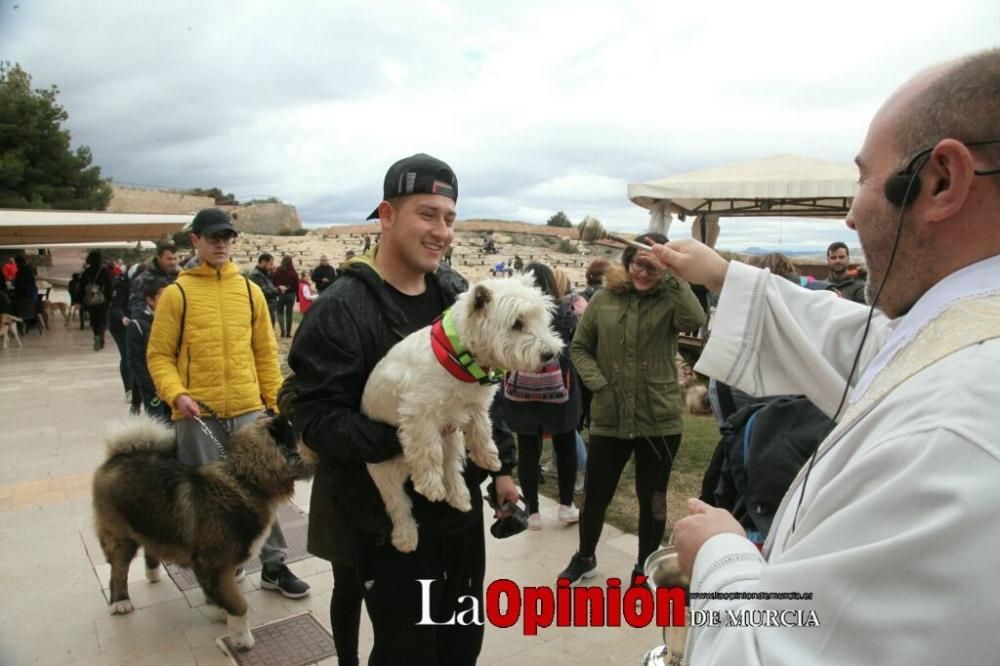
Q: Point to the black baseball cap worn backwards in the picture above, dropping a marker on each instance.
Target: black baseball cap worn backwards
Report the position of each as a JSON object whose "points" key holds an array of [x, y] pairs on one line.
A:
{"points": [[212, 221], [418, 174]]}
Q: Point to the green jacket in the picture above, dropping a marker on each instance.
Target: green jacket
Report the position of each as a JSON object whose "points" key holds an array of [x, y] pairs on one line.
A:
{"points": [[624, 351]]}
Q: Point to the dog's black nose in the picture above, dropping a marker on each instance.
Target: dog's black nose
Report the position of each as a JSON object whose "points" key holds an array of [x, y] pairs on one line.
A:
{"points": [[548, 356]]}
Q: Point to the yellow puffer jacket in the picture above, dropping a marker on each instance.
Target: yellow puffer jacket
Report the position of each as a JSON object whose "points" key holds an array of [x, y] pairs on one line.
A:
{"points": [[228, 359]]}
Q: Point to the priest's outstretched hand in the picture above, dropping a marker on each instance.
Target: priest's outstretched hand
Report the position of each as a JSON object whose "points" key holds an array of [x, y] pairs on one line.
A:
{"points": [[693, 261]]}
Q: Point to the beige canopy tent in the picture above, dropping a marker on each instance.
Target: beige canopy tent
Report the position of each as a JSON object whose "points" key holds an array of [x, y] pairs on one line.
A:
{"points": [[52, 228], [781, 185]]}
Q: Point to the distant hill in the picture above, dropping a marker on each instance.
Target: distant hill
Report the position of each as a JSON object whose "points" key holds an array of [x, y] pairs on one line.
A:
{"points": [[792, 252]]}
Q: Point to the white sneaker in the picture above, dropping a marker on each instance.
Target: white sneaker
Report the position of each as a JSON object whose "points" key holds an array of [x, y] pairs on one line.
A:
{"points": [[535, 521], [568, 514]]}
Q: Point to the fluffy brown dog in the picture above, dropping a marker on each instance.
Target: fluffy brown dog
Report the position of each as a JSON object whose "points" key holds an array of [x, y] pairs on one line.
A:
{"points": [[210, 518]]}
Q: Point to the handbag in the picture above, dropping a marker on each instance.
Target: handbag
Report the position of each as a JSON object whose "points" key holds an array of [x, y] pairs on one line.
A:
{"points": [[93, 295], [549, 384]]}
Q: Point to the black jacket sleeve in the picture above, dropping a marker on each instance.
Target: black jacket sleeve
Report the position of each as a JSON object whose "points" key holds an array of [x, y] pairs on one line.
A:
{"points": [[135, 349], [502, 437], [328, 357]]}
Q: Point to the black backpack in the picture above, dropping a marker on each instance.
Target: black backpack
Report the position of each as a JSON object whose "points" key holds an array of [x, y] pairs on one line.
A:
{"points": [[763, 447]]}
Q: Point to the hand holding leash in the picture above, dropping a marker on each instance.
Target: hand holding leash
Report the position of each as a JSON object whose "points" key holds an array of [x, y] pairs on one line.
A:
{"points": [[188, 407]]}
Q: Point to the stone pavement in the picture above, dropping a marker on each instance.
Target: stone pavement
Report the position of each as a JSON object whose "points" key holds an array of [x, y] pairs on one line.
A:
{"points": [[56, 399]]}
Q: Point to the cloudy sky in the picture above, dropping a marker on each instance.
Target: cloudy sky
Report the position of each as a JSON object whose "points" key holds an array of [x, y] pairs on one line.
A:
{"points": [[538, 106]]}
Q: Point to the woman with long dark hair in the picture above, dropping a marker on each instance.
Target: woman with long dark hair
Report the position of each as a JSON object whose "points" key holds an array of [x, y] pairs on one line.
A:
{"points": [[96, 296], [624, 351], [538, 403], [286, 279]]}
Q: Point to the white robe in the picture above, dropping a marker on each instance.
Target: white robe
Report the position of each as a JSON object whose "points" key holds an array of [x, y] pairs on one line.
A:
{"points": [[898, 533]]}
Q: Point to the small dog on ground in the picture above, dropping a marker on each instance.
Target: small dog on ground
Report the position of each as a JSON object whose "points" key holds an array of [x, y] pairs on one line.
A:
{"points": [[51, 307], [74, 312], [426, 386], [210, 518], [696, 399], [8, 326]]}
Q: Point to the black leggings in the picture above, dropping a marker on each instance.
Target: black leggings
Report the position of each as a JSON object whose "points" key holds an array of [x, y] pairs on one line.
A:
{"points": [[529, 452], [654, 456], [286, 303], [345, 613], [98, 319]]}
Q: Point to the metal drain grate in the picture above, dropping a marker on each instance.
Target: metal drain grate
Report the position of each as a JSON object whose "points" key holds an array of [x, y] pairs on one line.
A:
{"points": [[293, 641], [294, 525]]}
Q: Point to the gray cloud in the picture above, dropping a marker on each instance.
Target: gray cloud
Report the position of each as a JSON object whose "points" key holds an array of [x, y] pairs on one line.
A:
{"points": [[556, 106]]}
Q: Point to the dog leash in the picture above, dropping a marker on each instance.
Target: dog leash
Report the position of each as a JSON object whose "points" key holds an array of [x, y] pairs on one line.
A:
{"points": [[208, 431]]}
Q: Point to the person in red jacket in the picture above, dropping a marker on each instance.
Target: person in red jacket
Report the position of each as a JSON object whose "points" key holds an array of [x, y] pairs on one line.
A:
{"points": [[306, 292]]}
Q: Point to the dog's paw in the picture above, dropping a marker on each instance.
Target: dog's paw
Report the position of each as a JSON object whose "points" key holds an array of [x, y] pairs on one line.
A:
{"points": [[243, 641], [122, 607], [404, 538], [239, 632], [488, 459], [460, 498], [153, 575], [430, 486]]}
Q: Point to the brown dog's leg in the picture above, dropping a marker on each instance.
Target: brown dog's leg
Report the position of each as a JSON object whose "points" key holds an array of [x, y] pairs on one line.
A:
{"points": [[220, 588], [152, 567], [119, 552]]}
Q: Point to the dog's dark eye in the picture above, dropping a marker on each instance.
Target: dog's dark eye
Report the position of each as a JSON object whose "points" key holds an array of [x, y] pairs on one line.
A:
{"points": [[518, 325]]}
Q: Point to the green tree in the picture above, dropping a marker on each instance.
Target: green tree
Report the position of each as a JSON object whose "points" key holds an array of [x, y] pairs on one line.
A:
{"points": [[38, 169], [559, 220], [214, 192]]}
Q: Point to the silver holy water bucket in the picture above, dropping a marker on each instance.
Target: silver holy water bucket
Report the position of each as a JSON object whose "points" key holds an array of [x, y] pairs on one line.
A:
{"points": [[662, 570]]}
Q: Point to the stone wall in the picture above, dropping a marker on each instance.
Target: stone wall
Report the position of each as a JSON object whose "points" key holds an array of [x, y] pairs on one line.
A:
{"points": [[131, 199], [266, 218]]}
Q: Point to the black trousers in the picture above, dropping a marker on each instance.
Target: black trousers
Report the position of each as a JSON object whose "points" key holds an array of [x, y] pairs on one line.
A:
{"points": [[345, 613], [98, 319], [654, 457], [286, 304], [456, 563], [118, 335], [529, 452]]}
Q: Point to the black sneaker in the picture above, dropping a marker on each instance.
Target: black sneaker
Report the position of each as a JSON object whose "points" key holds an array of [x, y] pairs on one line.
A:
{"points": [[638, 577], [278, 577], [579, 567]]}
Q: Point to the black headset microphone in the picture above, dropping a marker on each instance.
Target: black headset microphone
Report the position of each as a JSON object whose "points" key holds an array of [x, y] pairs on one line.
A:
{"points": [[901, 189]]}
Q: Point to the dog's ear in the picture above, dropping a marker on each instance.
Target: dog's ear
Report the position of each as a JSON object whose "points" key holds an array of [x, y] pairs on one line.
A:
{"points": [[481, 297]]}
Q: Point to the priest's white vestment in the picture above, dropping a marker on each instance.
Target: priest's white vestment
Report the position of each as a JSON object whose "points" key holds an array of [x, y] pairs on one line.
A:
{"points": [[897, 536]]}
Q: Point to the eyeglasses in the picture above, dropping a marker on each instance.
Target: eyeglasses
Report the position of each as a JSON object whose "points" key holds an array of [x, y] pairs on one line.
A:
{"points": [[216, 239], [640, 267]]}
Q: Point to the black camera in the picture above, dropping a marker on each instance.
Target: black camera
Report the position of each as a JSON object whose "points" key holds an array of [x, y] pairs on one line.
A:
{"points": [[510, 525]]}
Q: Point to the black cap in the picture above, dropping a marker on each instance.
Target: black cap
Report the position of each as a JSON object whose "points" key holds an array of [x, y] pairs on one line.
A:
{"points": [[212, 221], [418, 174]]}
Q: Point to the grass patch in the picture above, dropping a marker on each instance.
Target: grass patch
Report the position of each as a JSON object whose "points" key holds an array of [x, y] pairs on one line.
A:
{"points": [[700, 437]]}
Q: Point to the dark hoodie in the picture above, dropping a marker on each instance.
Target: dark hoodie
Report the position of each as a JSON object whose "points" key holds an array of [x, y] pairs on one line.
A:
{"points": [[350, 328]]}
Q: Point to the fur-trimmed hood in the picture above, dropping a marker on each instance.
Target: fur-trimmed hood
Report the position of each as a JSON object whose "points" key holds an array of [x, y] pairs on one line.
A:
{"points": [[616, 281]]}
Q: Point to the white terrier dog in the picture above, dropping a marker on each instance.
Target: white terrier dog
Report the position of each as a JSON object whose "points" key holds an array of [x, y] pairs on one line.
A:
{"points": [[437, 384]]}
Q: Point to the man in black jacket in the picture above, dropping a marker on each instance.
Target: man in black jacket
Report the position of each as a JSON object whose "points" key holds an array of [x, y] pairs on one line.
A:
{"points": [[324, 275], [161, 268], [397, 289]]}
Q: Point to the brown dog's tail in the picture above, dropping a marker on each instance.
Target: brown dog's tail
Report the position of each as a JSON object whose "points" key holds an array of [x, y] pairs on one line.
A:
{"points": [[140, 433]]}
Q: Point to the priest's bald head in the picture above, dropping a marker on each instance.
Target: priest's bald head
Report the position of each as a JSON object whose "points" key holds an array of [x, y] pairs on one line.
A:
{"points": [[931, 158]]}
